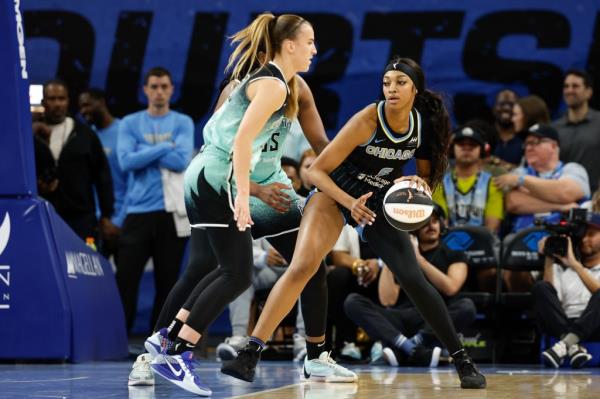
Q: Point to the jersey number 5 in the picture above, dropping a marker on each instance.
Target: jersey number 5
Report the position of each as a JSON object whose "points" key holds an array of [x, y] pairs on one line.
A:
{"points": [[272, 144]]}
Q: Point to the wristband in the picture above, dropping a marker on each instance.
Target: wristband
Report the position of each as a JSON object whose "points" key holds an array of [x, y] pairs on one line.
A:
{"points": [[521, 180]]}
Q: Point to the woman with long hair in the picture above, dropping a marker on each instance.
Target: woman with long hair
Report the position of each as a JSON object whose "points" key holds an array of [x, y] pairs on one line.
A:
{"points": [[217, 184], [352, 175], [528, 111]]}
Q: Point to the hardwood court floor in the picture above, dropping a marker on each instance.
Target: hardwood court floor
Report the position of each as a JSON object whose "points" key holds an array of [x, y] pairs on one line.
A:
{"points": [[282, 380]]}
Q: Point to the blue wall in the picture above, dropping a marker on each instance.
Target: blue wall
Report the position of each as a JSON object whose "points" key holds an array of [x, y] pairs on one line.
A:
{"points": [[470, 49]]}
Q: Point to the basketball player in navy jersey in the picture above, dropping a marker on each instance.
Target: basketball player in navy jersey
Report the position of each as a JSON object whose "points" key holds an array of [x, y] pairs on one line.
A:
{"points": [[352, 175]]}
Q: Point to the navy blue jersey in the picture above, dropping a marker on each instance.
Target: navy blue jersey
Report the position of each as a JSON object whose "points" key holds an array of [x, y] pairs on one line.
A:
{"points": [[375, 165]]}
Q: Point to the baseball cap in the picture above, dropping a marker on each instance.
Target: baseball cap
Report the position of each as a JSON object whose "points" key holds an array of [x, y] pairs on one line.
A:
{"points": [[469, 132], [593, 219], [544, 131]]}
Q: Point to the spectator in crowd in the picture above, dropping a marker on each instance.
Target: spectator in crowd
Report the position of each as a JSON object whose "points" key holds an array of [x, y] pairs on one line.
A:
{"points": [[81, 166], [546, 185], [155, 146], [307, 158], [398, 318], [467, 193], [528, 111], [543, 189], [292, 170], [269, 265], [355, 270], [567, 301], [579, 128], [92, 106], [508, 147]]}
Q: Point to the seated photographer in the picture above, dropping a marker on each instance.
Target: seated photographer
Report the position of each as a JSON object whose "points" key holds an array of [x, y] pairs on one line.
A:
{"points": [[567, 301], [398, 318], [542, 190]]}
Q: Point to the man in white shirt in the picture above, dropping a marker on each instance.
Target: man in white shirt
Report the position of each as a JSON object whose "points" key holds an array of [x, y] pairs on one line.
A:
{"points": [[567, 301]]}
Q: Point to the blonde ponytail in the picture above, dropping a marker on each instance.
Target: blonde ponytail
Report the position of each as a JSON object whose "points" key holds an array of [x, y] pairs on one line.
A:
{"points": [[252, 39], [265, 34]]}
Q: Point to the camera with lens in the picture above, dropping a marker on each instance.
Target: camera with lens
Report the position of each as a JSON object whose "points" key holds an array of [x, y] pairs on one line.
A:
{"points": [[571, 224]]}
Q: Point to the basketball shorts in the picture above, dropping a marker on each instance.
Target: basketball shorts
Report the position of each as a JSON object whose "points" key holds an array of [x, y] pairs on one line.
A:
{"points": [[209, 208], [357, 183]]}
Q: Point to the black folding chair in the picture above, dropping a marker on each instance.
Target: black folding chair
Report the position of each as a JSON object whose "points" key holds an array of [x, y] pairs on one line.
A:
{"points": [[519, 254], [517, 330], [478, 244]]}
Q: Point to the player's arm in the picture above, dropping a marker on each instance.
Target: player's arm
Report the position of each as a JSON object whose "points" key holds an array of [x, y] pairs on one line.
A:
{"points": [[255, 189], [266, 96], [309, 118], [355, 132]]}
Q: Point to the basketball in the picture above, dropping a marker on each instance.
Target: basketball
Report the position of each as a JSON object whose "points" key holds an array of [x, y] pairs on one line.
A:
{"points": [[407, 208]]}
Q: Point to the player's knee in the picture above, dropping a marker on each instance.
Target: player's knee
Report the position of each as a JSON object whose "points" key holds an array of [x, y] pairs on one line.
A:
{"points": [[303, 270], [238, 282]]}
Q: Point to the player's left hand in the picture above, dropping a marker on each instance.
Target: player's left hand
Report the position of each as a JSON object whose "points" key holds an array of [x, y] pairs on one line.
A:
{"points": [[274, 196], [241, 213], [417, 182]]}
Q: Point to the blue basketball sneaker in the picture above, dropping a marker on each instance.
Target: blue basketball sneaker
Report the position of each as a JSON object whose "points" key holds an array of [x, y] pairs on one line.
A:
{"points": [[158, 342], [179, 369], [325, 369]]}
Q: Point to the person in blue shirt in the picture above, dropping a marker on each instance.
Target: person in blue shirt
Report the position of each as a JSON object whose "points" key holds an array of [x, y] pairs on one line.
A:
{"points": [[93, 108], [154, 146]]}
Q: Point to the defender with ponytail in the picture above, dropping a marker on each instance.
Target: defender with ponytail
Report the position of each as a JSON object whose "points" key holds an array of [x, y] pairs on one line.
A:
{"points": [[217, 181]]}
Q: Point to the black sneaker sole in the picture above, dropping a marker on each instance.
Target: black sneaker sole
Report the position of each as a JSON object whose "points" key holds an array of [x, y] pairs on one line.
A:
{"points": [[549, 360], [235, 374], [580, 360], [470, 384]]}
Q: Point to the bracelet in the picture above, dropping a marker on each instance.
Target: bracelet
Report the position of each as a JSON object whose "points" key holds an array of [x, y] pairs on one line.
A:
{"points": [[355, 265], [521, 180], [380, 263]]}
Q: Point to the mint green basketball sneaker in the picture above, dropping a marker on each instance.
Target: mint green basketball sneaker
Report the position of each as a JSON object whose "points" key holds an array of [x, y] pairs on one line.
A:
{"points": [[325, 369]]}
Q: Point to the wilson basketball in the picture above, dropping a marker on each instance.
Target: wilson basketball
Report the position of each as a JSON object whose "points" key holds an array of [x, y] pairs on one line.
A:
{"points": [[407, 208]]}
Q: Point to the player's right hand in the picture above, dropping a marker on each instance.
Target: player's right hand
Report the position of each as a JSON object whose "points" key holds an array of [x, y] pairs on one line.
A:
{"points": [[241, 213], [274, 196], [360, 212]]}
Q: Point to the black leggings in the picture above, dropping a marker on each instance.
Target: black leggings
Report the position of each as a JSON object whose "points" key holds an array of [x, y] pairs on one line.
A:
{"points": [[202, 270], [200, 263], [233, 251], [395, 248]]}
